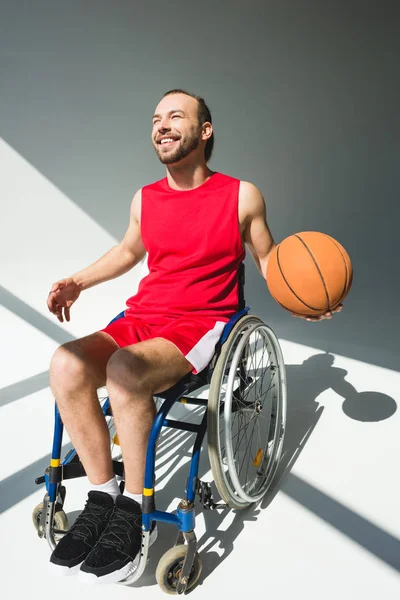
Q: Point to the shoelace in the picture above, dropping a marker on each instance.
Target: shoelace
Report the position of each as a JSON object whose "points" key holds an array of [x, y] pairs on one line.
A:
{"points": [[92, 515], [120, 524]]}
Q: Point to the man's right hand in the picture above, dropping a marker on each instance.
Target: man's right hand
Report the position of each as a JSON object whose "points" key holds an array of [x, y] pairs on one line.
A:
{"points": [[61, 297]]}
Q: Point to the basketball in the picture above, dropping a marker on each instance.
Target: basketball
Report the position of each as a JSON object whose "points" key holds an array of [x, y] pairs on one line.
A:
{"points": [[309, 273]]}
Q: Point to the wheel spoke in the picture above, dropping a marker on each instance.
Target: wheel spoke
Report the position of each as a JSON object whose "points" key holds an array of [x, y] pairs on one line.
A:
{"points": [[250, 379]]}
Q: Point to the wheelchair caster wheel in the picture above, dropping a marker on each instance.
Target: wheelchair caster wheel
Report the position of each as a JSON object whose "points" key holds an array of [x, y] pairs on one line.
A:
{"points": [[170, 566], [60, 522]]}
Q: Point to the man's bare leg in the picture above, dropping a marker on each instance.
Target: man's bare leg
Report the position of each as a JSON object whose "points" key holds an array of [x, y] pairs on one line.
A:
{"points": [[134, 374], [77, 370]]}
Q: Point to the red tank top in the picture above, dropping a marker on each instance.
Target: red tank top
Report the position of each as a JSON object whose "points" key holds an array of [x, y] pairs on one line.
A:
{"points": [[194, 251]]}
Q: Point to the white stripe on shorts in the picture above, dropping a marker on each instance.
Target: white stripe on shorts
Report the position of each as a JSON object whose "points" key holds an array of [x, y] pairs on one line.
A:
{"points": [[202, 353]]}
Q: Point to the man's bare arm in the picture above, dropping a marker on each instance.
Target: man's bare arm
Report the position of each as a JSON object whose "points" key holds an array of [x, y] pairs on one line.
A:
{"points": [[257, 236], [121, 258], [256, 233], [115, 262]]}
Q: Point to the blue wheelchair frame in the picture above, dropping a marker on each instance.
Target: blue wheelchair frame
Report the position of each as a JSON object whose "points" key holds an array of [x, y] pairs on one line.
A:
{"points": [[184, 517]]}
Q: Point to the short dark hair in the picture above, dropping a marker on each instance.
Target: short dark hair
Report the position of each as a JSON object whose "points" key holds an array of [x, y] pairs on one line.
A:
{"points": [[203, 115]]}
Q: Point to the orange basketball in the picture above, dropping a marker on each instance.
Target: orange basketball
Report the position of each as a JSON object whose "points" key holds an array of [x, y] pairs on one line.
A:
{"points": [[309, 273]]}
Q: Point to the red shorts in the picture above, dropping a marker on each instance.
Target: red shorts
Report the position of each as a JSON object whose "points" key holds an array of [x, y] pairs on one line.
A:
{"points": [[195, 337]]}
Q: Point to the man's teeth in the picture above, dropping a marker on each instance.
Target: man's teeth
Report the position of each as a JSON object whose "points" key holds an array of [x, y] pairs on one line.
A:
{"points": [[166, 140]]}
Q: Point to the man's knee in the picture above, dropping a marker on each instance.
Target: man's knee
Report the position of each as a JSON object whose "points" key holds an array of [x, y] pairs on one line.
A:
{"points": [[68, 368], [128, 370]]}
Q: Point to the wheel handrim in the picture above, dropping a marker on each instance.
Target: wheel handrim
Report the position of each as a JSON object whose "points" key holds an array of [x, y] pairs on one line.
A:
{"points": [[247, 408]]}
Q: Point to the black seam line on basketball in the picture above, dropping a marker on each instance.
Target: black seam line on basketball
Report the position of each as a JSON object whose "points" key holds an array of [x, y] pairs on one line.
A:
{"points": [[345, 265], [290, 288], [280, 303], [318, 269]]}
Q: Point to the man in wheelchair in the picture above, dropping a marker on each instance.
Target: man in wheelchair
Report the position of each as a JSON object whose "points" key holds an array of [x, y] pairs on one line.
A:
{"points": [[194, 225]]}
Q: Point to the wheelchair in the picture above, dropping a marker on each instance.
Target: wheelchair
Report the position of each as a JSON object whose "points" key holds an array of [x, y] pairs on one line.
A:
{"points": [[244, 417]]}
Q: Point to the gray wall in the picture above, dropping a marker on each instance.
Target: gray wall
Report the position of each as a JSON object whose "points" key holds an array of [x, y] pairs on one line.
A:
{"points": [[304, 97]]}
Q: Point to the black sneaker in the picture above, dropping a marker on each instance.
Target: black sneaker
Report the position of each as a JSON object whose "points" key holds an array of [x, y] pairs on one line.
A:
{"points": [[75, 546], [116, 554]]}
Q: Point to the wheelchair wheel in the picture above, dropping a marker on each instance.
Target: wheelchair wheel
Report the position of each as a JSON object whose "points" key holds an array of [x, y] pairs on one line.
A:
{"points": [[60, 522], [170, 566], [246, 413]]}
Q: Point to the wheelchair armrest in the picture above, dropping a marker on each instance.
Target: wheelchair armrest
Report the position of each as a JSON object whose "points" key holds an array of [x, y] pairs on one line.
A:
{"points": [[119, 316], [228, 327]]}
